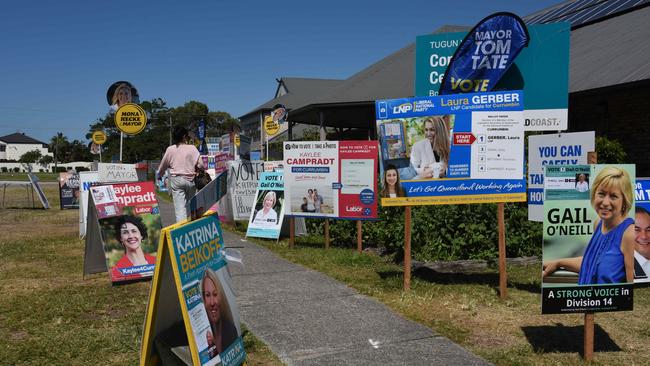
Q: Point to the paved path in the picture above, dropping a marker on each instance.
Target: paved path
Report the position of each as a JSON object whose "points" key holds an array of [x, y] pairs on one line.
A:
{"points": [[307, 318]]}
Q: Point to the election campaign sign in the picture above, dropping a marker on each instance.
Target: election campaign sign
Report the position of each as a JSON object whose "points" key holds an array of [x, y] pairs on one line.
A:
{"points": [[588, 238], [192, 316], [86, 179], [463, 148], [266, 216], [39, 191], [335, 179], [127, 217], [556, 149], [642, 230], [541, 70], [114, 172], [69, 190], [485, 54], [242, 185]]}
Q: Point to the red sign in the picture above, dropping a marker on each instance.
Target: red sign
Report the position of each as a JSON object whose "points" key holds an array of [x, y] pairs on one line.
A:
{"points": [[464, 138], [358, 158]]}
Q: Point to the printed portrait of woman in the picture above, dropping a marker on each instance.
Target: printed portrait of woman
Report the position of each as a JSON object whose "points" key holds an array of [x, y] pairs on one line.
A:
{"points": [[391, 184], [120, 93], [130, 232], [609, 256], [266, 215], [222, 332]]}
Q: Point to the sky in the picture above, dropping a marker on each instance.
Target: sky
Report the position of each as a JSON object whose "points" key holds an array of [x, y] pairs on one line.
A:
{"points": [[59, 57]]}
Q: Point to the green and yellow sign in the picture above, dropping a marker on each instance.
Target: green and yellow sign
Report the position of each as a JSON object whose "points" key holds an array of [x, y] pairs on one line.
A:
{"points": [[131, 119], [99, 137]]}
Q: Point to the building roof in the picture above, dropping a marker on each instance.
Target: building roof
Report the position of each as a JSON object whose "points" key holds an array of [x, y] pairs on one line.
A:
{"points": [[299, 92], [20, 138], [612, 52]]}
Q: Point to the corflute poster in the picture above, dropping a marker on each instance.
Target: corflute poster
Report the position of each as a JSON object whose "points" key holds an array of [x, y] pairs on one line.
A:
{"points": [[209, 304], [588, 244], [129, 218], [242, 185], [335, 179], [463, 148], [266, 217], [642, 231]]}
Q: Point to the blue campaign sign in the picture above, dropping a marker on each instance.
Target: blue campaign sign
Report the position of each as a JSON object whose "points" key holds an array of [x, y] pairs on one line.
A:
{"points": [[541, 70], [485, 54], [447, 149], [642, 230], [553, 149]]}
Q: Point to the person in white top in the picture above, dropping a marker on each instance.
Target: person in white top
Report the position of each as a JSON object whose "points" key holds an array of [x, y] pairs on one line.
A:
{"points": [[581, 184], [267, 216], [430, 156], [642, 243]]}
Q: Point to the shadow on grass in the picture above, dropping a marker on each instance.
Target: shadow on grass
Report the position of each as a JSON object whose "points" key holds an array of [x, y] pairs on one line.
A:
{"points": [[562, 339], [471, 278]]}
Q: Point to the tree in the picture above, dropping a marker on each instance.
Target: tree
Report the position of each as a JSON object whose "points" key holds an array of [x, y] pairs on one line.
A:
{"points": [[30, 158], [151, 143]]}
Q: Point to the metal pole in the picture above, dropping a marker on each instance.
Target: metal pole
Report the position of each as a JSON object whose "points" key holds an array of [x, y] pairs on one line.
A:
{"points": [[503, 275], [121, 140]]}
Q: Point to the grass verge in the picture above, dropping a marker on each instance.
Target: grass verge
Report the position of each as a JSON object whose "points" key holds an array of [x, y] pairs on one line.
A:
{"points": [[49, 314], [465, 308]]}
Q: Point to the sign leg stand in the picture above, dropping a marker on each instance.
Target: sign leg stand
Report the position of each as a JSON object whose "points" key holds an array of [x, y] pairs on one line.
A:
{"points": [[327, 233], [292, 232], [407, 248], [589, 337], [359, 237], [503, 275]]}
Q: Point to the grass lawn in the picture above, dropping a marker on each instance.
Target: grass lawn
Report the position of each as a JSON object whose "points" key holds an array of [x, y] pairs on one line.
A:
{"points": [[43, 177], [49, 314], [465, 307]]}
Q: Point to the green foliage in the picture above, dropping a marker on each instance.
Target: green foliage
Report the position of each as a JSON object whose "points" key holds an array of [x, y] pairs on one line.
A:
{"points": [[449, 232], [151, 143], [30, 157], [609, 151]]}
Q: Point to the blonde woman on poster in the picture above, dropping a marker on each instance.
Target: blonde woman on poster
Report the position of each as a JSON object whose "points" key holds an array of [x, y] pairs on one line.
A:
{"points": [[222, 331], [430, 156], [609, 256]]}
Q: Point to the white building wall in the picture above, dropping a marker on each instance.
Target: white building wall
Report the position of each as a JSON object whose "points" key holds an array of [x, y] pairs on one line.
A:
{"points": [[15, 151]]}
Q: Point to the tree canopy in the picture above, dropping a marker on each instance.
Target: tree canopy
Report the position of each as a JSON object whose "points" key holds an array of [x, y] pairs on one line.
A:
{"points": [[151, 143]]}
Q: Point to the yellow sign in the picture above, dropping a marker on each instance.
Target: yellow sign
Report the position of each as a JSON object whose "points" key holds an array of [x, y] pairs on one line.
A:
{"points": [[99, 137], [237, 140], [270, 126], [131, 119]]}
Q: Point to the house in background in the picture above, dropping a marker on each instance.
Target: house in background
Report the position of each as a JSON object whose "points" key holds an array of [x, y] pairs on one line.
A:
{"points": [[13, 146]]}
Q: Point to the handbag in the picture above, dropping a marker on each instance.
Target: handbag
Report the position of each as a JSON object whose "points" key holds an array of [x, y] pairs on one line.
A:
{"points": [[202, 179]]}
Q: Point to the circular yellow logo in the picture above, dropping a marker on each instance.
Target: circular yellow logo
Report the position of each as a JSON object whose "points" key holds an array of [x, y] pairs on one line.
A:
{"points": [[237, 140], [99, 137], [130, 119], [270, 126]]}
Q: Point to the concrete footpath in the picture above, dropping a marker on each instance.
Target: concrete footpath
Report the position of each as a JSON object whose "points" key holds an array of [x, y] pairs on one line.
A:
{"points": [[308, 318]]}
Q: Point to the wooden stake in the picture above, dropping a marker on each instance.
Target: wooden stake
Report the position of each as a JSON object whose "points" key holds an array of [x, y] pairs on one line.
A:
{"points": [[359, 238], [503, 276], [589, 337], [292, 232], [407, 248], [327, 233]]}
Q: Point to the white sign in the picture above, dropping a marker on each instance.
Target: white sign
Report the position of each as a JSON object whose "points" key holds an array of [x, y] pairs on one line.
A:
{"points": [[114, 173], [556, 149], [86, 179], [242, 186]]}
